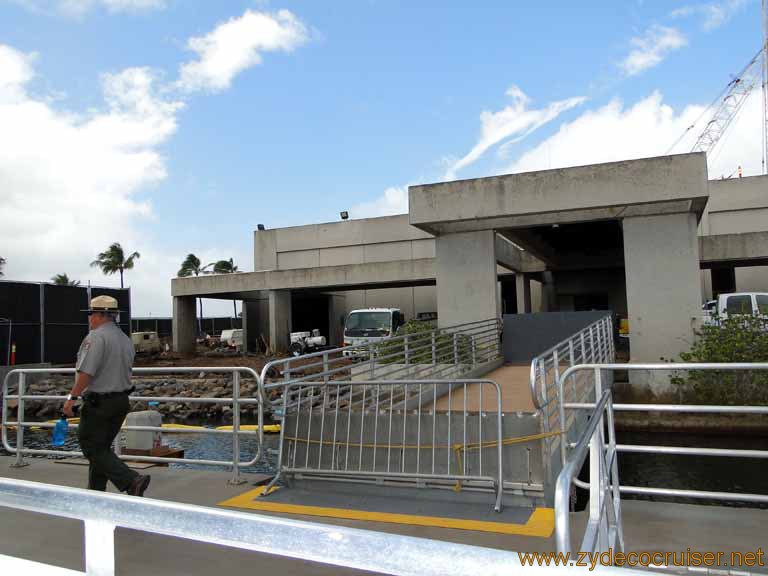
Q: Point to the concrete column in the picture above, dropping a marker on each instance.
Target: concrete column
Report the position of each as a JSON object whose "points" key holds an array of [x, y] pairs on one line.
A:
{"points": [[184, 324], [466, 277], [279, 319], [523, 285], [548, 292], [661, 259]]}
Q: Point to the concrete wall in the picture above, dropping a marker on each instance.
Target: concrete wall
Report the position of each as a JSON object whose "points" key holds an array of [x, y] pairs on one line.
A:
{"points": [[569, 285], [736, 206], [338, 243], [528, 335]]}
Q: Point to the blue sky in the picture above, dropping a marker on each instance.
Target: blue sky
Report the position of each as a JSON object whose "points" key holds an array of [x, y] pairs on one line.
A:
{"points": [[176, 126]]}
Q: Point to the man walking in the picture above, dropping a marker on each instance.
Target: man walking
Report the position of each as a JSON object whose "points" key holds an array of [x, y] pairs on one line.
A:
{"points": [[103, 380]]}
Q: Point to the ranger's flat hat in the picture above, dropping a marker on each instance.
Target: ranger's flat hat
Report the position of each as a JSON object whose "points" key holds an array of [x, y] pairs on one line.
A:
{"points": [[103, 304]]}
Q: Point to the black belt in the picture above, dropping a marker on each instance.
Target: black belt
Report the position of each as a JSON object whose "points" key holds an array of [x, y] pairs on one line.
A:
{"points": [[112, 394]]}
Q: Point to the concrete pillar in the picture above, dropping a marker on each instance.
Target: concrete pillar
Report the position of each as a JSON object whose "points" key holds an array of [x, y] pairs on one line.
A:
{"points": [[279, 319], [523, 285], [184, 324], [466, 277], [661, 259], [548, 292]]}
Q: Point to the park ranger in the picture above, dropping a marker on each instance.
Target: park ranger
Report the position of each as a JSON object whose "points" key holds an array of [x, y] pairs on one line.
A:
{"points": [[103, 380]]}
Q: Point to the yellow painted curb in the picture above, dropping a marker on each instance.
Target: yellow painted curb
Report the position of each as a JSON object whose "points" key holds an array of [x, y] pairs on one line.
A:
{"points": [[540, 524]]}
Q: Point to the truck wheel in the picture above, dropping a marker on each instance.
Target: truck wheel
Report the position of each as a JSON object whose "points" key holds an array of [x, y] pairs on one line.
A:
{"points": [[296, 349]]}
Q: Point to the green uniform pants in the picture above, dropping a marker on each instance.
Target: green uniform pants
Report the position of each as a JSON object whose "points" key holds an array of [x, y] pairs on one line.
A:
{"points": [[100, 422]]}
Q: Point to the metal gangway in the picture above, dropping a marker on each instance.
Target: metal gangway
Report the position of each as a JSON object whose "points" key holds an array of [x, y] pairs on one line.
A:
{"points": [[437, 354]]}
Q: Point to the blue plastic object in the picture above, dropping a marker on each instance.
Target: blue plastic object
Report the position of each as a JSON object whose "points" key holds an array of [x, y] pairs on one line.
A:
{"points": [[60, 432]]}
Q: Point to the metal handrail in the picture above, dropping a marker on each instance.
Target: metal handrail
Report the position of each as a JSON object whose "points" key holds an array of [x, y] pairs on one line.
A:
{"points": [[483, 332], [604, 530], [377, 552], [601, 481], [20, 424], [605, 348]]}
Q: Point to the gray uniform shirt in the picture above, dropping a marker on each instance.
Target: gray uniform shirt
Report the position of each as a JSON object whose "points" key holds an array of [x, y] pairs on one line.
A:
{"points": [[107, 355]]}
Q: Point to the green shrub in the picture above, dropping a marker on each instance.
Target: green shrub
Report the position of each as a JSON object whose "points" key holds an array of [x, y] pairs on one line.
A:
{"points": [[420, 346], [734, 339]]}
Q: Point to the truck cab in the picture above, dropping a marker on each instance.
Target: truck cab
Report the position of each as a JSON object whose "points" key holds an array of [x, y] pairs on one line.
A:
{"points": [[369, 325], [738, 303]]}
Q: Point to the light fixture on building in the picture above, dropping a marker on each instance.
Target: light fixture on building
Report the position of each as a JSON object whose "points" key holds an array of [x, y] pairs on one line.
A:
{"points": [[260, 227], [344, 215]]}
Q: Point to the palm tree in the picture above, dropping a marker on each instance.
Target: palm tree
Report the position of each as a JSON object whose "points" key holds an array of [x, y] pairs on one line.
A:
{"points": [[191, 267], [2, 263], [114, 260], [226, 267], [63, 280]]}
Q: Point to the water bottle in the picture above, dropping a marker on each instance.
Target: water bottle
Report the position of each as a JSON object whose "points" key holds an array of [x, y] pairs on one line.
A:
{"points": [[60, 431]]}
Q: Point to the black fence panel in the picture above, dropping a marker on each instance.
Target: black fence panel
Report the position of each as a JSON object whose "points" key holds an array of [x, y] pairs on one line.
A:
{"points": [[48, 322]]}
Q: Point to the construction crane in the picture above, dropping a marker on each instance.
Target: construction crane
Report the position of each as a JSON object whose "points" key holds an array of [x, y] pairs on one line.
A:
{"points": [[729, 102]]}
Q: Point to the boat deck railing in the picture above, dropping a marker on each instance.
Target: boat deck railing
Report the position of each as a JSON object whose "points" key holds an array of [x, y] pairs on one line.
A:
{"points": [[604, 525], [376, 552]]}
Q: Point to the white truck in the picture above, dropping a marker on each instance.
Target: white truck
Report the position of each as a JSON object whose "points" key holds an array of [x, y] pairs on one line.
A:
{"points": [[370, 325], [741, 303]]}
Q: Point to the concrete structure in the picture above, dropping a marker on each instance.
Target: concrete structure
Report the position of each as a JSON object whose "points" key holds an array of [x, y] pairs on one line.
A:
{"points": [[648, 239]]}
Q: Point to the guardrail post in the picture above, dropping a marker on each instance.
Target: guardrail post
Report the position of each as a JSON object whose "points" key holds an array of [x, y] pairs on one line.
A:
{"points": [[434, 350], [407, 351], [474, 351], [99, 548], [455, 349], [372, 361], [19, 419], [236, 429]]}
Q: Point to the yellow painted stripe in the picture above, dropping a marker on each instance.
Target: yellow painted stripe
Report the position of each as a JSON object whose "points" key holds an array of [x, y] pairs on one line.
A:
{"points": [[541, 522]]}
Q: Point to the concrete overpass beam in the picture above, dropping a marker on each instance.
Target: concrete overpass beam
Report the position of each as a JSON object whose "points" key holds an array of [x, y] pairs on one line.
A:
{"points": [[466, 277], [279, 319], [184, 324], [661, 255]]}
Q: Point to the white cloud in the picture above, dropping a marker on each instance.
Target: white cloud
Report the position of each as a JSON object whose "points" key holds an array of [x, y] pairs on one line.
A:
{"points": [[514, 122], [80, 7], [651, 48], [69, 182], [713, 15], [236, 45], [393, 201], [647, 128]]}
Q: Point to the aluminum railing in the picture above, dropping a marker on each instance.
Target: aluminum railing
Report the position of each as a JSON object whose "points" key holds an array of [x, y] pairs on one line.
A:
{"points": [[591, 344], [604, 530], [394, 436], [236, 401], [377, 552], [602, 411], [438, 353]]}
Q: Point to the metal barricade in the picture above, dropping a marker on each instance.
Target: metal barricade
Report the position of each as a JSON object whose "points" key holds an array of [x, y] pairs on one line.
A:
{"points": [[389, 430], [439, 353], [608, 476], [236, 401]]}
